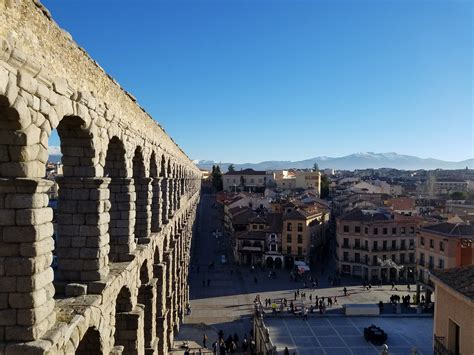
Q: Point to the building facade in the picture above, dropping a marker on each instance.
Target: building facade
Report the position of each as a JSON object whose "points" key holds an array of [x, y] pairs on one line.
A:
{"points": [[376, 245], [453, 327], [442, 246], [248, 180]]}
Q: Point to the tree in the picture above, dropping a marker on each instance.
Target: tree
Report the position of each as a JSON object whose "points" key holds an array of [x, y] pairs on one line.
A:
{"points": [[458, 195], [324, 186], [315, 166], [231, 168], [217, 178]]}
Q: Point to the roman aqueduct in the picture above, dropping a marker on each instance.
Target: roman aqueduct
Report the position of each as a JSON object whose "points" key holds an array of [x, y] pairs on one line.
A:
{"points": [[126, 207]]}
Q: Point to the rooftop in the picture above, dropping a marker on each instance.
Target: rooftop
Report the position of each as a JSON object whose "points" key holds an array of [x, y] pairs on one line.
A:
{"points": [[460, 279], [451, 229], [246, 172]]}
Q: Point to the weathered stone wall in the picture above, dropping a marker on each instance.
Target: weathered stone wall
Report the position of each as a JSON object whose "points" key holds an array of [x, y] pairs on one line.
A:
{"points": [[126, 206]]}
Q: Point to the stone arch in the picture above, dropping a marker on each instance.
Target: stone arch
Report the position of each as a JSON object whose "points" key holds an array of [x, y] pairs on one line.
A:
{"points": [[78, 192], [143, 197], [77, 147], [164, 174], [156, 194], [122, 196], [147, 299], [128, 322], [144, 273], [91, 343], [23, 145]]}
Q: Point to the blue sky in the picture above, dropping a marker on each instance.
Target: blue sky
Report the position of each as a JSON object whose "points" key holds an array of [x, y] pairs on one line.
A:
{"points": [[252, 80]]}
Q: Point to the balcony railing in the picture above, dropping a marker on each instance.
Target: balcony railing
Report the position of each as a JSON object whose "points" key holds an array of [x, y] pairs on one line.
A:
{"points": [[440, 348]]}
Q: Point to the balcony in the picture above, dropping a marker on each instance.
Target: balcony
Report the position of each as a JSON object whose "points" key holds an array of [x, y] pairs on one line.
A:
{"points": [[251, 248], [440, 348]]}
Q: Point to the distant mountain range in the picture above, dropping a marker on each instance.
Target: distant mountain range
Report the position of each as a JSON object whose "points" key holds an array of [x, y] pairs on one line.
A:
{"points": [[350, 162]]}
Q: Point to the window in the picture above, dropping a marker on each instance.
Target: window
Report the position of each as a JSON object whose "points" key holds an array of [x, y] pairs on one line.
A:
{"points": [[394, 244], [431, 243], [345, 256], [376, 231], [251, 181], [260, 226], [412, 230], [254, 226], [441, 263], [431, 263], [374, 260], [288, 249], [441, 246], [357, 243], [394, 257], [366, 245], [346, 229], [300, 239], [411, 258], [300, 251], [366, 230], [300, 227], [403, 246], [345, 243], [403, 230], [411, 243], [422, 258], [357, 257], [384, 257], [273, 247], [384, 245], [357, 229], [288, 226], [288, 238], [384, 230], [228, 180], [422, 240], [394, 230], [375, 246], [402, 258]]}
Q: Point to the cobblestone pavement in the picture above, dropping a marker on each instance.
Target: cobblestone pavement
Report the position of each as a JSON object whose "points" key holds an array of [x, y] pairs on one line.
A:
{"points": [[227, 303]]}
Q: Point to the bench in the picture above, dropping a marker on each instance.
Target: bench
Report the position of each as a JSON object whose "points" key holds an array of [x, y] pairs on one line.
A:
{"points": [[358, 309]]}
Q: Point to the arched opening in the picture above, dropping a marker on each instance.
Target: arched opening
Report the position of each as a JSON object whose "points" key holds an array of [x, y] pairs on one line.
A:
{"points": [[121, 218], [128, 321], [269, 262], [147, 298], [90, 343], [164, 191], [278, 263], [155, 202], [142, 205], [73, 209]]}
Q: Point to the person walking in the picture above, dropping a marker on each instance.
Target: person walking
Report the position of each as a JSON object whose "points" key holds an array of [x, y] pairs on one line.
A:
{"points": [[286, 351], [345, 291], [204, 340]]}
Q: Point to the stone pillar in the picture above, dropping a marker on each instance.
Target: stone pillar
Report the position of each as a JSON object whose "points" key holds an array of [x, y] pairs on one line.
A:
{"points": [[122, 219], [168, 257], [129, 331], [26, 244], [143, 192], [156, 212], [147, 297], [160, 272], [83, 222], [165, 200]]}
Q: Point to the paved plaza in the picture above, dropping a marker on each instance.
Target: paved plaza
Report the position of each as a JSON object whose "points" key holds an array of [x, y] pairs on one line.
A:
{"points": [[344, 335], [227, 303]]}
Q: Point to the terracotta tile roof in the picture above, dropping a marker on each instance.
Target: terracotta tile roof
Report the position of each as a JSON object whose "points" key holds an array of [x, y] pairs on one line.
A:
{"points": [[460, 279]]}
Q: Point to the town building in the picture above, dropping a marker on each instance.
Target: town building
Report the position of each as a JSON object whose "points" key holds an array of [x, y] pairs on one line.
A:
{"points": [[244, 180], [453, 327], [308, 180], [442, 246], [304, 232], [376, 245]]}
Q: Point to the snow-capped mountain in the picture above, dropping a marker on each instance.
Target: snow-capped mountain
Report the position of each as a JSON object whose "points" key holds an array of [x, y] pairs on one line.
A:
{"points": [[363, 160]]}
